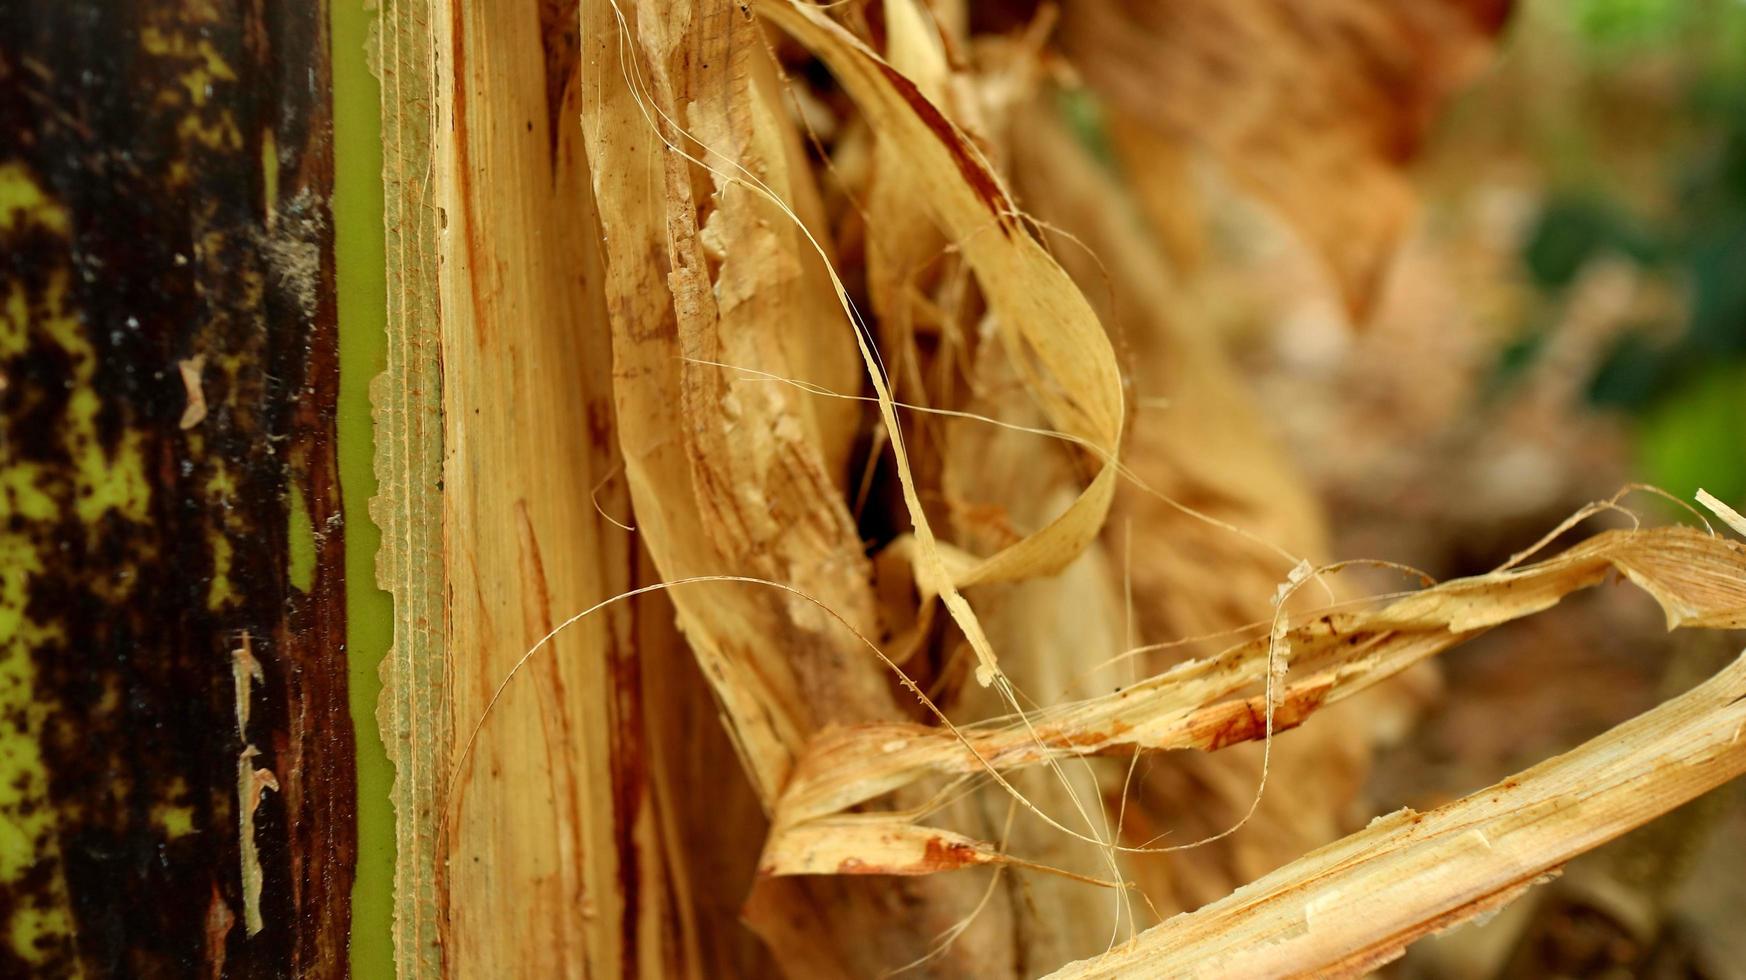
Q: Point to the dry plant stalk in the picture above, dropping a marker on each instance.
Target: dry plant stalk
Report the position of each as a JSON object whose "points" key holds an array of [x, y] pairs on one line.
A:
{"points": [[1352, 906]]}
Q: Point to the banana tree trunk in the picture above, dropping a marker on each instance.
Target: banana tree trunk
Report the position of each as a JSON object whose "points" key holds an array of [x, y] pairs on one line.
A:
{"points": [[177, 784]]}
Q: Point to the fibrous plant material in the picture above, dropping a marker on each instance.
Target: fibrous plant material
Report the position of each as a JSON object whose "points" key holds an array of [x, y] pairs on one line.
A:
{"points": [[1348, 908], [1195, 436], [407, 400], [747, 488], [824, 534], [869, 499], [1699, 581], [497, 524], [708, 264]]}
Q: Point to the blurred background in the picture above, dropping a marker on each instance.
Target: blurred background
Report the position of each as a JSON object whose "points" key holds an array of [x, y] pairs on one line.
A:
{"points": [[1567, 318]]}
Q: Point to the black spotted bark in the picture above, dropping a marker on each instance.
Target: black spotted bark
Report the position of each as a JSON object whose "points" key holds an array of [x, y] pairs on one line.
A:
{"points": [[176, 756]]}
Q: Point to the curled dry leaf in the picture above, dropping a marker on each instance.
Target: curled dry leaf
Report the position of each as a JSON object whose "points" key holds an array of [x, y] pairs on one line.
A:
{"points": [[1207, 704], [1045, 323]]}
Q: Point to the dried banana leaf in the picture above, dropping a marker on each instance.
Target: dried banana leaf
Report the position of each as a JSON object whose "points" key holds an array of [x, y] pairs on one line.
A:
{"points": [[1699, 581]]}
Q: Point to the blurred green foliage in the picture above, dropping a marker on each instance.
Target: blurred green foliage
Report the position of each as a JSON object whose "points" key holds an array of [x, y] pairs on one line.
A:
{"points": [[1685, 383], [1626, 23], [1695, 436], [1712, 31]]}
